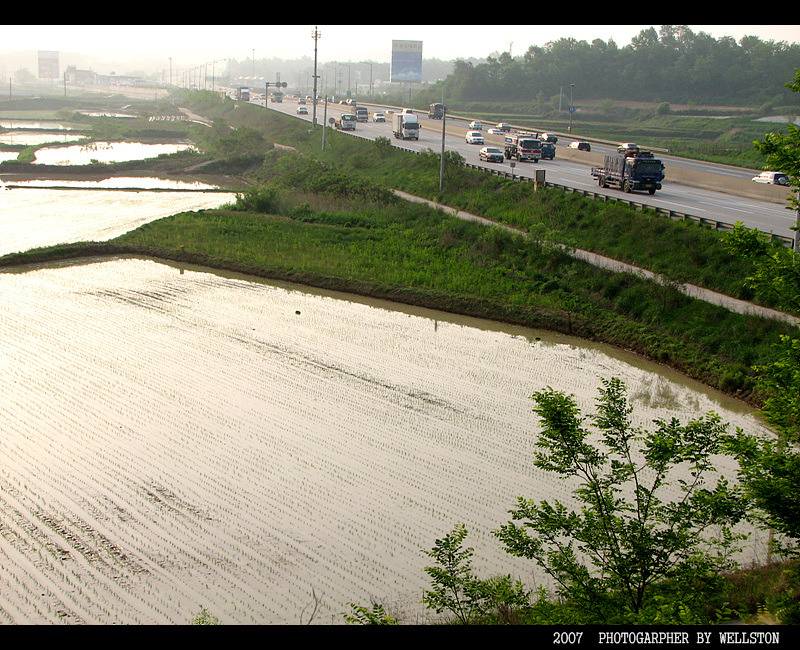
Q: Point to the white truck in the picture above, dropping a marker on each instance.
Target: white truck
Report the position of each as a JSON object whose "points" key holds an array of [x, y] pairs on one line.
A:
{"points": [[347, 122], [523, 146], [405, 126]]}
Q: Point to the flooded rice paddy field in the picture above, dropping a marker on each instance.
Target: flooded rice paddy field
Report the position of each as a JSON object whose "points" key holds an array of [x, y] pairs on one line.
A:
{"points": [[175, 438], [104, 152], [31, 218], [30, 138]]}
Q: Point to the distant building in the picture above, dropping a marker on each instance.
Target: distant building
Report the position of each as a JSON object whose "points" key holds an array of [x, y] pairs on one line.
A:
{"points": [[80, 77]]}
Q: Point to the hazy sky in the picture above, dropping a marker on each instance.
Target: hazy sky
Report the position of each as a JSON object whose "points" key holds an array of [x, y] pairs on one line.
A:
{"points": [[198, 44]]}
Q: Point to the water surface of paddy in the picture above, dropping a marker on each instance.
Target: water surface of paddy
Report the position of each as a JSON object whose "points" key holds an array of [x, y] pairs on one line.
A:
{"points": [[176, 438]]}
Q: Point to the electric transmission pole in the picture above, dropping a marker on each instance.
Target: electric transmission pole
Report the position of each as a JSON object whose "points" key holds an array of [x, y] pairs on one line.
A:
{"points": [[315, 35]]}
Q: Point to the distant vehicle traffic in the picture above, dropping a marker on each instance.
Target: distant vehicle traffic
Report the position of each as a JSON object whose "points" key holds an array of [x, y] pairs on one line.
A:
{"points": [[302, 110], [626, 147], [582, 146], [475, 125], [243, 94], [494, 131], [504, 127], [378, 117], [773, 178], [491, 154], [474, 137], [549, 137]]}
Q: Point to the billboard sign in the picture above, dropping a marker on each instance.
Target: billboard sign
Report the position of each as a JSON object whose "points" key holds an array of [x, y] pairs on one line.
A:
{"points": [[48, 65], [406, 61]]}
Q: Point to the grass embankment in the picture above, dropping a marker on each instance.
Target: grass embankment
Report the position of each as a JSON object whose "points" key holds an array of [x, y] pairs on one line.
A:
{"points": [[327, 219]]}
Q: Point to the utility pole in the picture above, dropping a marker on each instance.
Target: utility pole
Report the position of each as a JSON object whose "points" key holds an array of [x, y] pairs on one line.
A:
{"points": [[441, 164], [315, 35]]}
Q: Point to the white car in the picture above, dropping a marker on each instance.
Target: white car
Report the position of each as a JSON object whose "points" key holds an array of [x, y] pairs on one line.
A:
{"points": [[494, 131], [773, 178], [476, 125], [474, 137], [503, 126], [378, 117]]}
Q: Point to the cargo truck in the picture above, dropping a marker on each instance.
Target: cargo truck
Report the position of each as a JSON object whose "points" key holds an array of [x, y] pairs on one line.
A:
{"points": [[634, 171], [362, 115], [523, 146], [347, 122], [405, 126], [243, 94], [436, 111]]}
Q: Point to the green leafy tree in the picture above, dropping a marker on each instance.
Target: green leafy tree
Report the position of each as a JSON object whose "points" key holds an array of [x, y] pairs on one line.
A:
{"points": [[625, 545], [783, 150], [456, 590], [770, 467]]}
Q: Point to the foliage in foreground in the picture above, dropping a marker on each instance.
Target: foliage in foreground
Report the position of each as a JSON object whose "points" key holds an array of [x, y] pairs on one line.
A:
{"points": [[770, 466], [614, 553]]}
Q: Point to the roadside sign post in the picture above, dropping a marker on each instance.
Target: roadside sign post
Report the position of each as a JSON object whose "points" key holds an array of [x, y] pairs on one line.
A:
{"points": [[276, 84]]}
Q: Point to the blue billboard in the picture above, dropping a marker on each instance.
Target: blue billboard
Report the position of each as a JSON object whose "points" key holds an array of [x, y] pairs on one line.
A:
{"points": [[406, 61]]}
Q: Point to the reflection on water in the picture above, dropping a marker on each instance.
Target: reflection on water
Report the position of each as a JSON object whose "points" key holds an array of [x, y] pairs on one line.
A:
{"points": [[34, 124], [32, 218], [105, 152], [30, 138], [119, 182]]}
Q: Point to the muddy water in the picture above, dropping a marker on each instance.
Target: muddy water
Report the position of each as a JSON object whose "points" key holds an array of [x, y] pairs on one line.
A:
{"points": [[176, 438]]}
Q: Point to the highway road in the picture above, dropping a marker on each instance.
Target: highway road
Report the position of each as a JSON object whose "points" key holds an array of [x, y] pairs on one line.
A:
{"points": [[766, 216]]}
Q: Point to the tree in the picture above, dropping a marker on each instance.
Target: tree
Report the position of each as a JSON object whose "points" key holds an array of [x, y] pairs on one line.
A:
{"points": [[770, 467], [624, 548], [783, 150], [457, 590]]}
